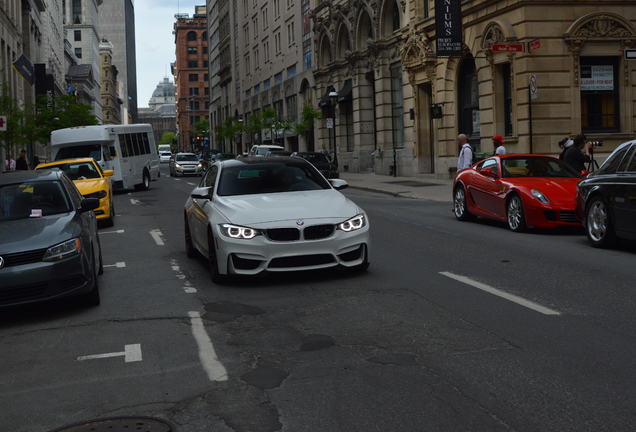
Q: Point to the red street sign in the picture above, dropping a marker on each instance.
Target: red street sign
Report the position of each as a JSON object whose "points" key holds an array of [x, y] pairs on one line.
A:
{"points": [[534, 45], [507, 47], [3, 123]]}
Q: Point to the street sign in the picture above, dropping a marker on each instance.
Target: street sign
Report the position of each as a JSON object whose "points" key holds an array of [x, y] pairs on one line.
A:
{"points": [[630, 54], [329, 123], [507, 47], [534, 90], [534, 45], [3, 123]]}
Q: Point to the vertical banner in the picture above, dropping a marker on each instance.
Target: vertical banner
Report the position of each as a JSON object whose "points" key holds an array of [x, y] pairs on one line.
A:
{"points": [[448, 25]]}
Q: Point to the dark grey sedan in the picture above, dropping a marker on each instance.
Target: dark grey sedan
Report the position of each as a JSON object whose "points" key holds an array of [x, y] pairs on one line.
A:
{"points": [[49, 246]]}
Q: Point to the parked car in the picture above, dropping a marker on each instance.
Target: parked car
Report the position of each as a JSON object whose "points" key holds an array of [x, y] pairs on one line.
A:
{"points": [[607, 198], [522, 190], [185, 163], [321, 162], [91, 182], [222, 156], [254, 215], [278, 153], [50, 247], [261, 150]]}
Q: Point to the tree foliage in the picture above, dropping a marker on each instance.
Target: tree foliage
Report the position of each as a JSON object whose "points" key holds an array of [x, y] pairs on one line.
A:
{"points": [[168, 137]]}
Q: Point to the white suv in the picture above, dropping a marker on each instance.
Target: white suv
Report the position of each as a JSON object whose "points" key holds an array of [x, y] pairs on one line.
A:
{"points": [[262, 150]]}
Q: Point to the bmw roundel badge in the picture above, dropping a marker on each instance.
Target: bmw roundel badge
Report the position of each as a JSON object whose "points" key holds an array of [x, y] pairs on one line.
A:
{"points": [[300, 222], [1, 262]]}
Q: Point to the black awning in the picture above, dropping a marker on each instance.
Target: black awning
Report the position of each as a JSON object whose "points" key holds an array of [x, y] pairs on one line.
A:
{"points": [[344, 95], [324, 101]]}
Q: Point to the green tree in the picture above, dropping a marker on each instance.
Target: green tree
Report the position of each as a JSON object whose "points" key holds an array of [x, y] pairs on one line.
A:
{"points": [[13, 137], [60, 112], [168, 137], [201, 128], [230, 129]]}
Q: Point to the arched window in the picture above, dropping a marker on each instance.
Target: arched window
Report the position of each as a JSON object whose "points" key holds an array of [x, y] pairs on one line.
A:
{"points": [[365, 31], [192, 36], [325, 52], [390, 18], [468, 100], [343, 42]]}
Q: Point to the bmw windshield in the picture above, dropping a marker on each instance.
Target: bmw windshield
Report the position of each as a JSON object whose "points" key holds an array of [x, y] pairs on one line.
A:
{"points": [[272, 177], [32, 199]]}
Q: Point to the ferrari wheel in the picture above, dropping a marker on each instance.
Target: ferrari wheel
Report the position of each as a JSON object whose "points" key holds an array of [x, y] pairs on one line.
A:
{"points": [[516, 216], [460, 207], [598, 225]]}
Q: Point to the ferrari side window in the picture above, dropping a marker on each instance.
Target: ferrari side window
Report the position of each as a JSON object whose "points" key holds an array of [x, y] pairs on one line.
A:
{"points": [[492, 164]]}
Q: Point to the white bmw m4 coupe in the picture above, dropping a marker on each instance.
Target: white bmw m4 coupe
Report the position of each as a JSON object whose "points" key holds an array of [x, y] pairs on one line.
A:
{"points": [[256, 215]]}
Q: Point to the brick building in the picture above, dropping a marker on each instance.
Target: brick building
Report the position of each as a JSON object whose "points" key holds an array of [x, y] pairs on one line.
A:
{"points": [[191, 73]]}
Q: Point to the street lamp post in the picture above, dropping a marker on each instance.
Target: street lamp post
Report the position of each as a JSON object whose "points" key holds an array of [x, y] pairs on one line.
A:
{"points": [[333, 99]]}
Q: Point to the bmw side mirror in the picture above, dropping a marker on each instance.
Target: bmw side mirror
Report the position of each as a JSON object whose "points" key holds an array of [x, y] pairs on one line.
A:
{"points": [[204, 193], [338, 184], [88, 204]]}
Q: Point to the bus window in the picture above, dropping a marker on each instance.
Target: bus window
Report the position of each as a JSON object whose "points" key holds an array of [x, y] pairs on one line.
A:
{"points": [[106, 153], [138, 145], [113, 152], [144, 138], [122, 146]]}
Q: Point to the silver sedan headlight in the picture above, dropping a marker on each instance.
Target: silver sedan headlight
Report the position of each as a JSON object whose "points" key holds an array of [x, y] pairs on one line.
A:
{"points": [[353, 224], [239, 232]]}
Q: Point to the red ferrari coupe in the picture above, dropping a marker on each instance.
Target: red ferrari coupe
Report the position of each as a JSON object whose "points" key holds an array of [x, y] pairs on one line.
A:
{"points": [[522, 190]]}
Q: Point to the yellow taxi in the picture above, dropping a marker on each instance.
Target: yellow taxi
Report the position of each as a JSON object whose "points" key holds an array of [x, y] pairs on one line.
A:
{"points": [[91, 182]]}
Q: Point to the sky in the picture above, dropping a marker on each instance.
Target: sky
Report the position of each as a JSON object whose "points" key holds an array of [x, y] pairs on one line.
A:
{"points": [[155, 43]]}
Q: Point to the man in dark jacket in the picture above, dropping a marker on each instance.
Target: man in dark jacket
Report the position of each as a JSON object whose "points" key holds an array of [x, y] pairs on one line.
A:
{"points": [[21, 163], [577, 155]]}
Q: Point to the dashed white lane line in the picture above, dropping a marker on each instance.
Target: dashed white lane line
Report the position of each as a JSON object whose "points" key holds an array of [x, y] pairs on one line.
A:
{"points": [[207, 355], [192, 184], [121, 231], [176, 179], [135, 201], [494, 291], [131, 353], [120, 264], [157, 236]]}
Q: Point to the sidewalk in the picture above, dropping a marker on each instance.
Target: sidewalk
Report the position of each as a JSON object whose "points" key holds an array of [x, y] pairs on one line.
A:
{"points": [[405, 187]]}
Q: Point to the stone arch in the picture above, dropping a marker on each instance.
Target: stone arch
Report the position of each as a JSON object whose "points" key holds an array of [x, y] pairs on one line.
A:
{"points": [[364, 29], [495, 32], [343, 41], [324, 50], [391, 18]]}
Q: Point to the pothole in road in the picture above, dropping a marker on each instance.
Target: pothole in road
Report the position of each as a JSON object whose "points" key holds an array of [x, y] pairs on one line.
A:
{"points": [[398, 359], [265, 377], [120, 424], [316, 342], [227, 311]]}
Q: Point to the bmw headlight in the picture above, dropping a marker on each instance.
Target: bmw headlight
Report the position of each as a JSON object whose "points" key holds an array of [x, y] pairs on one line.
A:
{"points": [[63, 250], [539, 196], [353, 224], [239, 232], [101, 194]]}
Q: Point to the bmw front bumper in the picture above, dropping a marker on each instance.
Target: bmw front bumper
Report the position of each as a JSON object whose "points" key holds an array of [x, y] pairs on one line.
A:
{"points": [[262, 254]]}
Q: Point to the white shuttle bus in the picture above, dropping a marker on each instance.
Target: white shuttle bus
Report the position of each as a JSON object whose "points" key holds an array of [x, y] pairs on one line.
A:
{"points": [[129, 150]]}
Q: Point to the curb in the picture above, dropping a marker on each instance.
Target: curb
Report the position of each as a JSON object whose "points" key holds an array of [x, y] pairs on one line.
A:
{"points": [[406, 194]]}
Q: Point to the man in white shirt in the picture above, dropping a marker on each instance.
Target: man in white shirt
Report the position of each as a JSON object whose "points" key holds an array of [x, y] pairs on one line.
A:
{"points": [[465, 159]]}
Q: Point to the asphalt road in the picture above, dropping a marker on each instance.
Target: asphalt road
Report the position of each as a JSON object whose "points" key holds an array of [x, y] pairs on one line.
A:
{"points": [[455, 327]]}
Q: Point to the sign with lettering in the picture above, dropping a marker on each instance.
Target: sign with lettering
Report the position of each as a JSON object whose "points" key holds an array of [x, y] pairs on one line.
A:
{"points": [[507, 47], [630, 54], [597, 77], [448, 24], [534, 45]]}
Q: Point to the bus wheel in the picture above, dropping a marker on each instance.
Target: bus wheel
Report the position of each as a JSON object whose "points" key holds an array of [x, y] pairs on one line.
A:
{"points": [[146, 181]]}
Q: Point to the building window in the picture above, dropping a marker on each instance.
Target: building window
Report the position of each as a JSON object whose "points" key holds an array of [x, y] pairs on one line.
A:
{"points": [[246, 34], [503, 99], [600, 102], [206, 77], [277, 42], [193, 77], [266, 51], [468, 102], [191, 36], [276, 8], [194, 91], [291, 71], [77, 35], [267, 84], [291, 37], [78, 53], [278, 78], [397, 108], [206, 91], [77, 11], [292, 108], [192, 50], [193, 63], [265, 20]]}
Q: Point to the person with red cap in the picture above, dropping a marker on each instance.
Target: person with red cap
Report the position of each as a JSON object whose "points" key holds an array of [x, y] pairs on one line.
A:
{"points": [[498, 143]]}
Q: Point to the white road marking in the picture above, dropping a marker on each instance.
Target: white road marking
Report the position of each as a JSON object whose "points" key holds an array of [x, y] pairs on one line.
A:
{"points": [[135, 201], [121, 231], [176, 179], [175, 268], [209, 360], [131, 353], [120, 264], [157, 237], [189, 290], [192, 184], [494, 291]]}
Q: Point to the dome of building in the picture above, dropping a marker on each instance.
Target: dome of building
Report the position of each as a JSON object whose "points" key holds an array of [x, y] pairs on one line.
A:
{"points": [[164, 94]]}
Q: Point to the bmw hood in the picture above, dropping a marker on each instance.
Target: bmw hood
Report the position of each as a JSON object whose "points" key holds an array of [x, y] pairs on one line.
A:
{"points": [[37, 233], [263, 208]]}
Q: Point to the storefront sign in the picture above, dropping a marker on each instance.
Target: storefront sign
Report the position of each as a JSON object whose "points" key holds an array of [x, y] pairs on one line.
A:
{"points": [[507, 47], [25, 68], [597, 77], [630, 54], [448, 24]]}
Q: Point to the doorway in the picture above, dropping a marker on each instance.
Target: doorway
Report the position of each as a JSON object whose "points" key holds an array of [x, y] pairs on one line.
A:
{"points": [[425, 138]]}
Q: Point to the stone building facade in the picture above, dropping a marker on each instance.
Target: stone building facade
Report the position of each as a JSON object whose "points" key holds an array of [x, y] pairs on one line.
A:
{"points": [[191, 74], [109, 85], [584, 83]]}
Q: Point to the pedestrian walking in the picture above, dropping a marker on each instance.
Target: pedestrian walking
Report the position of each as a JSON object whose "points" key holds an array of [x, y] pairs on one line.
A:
{"points": [[578, 154], [9, 163], [498, 144], [22, 163], [565, 144], [465, 159]]}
